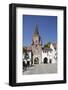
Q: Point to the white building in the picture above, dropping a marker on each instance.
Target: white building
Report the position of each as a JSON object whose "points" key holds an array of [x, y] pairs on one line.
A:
{"points": [[49, 55]]}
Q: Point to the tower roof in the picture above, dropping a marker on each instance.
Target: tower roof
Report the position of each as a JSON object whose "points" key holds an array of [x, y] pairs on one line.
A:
{"points": [[36, 31]]}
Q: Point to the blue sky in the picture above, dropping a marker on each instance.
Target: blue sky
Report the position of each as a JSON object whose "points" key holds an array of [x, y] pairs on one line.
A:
{"points": [[47, 26]]}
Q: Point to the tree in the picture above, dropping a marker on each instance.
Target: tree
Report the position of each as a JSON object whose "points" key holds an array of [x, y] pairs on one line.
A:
{"points": [[47, 45], [26, 56], [24, 50]]}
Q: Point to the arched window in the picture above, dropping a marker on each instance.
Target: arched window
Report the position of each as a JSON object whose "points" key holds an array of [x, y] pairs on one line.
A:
{"points": [[50, 61]]}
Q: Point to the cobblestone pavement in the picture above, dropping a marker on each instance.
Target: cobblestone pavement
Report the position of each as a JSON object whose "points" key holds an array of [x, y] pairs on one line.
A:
{"points": [[41, 69]]}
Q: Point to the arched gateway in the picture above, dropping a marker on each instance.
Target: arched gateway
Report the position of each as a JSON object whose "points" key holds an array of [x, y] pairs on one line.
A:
{"points": [[45, 60], [36, 60], [36, 47]]}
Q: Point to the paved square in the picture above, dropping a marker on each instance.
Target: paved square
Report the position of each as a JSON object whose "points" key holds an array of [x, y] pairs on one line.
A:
{"points": [[41, 69]]}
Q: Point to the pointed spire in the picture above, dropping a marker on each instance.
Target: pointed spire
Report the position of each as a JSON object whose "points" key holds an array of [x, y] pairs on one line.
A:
{"points": [[36, 30]]}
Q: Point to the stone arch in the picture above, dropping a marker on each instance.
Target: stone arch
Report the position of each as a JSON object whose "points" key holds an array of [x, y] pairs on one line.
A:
{"points": [[45, 60], [36, 60]]}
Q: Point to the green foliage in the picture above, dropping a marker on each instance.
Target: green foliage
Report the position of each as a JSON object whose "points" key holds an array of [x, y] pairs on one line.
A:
{"points": [[26, 56], [47, 45], [25, 53], [24, 50]]}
